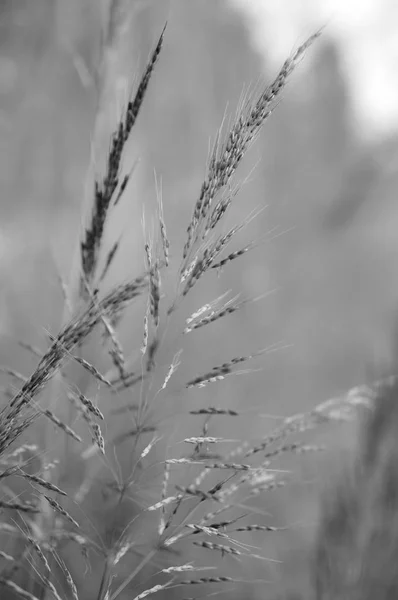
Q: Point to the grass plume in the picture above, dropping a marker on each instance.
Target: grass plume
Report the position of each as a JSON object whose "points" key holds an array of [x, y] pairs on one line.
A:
{"points": [[171, 501]]}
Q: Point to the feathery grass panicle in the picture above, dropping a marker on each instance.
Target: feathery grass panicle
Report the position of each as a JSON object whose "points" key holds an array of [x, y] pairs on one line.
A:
{"points": [[74, 333], [21, 411], [104, 190], [227, 156], [197, 486]]}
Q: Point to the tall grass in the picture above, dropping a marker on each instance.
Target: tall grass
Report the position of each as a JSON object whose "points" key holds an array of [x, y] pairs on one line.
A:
{"points": [[357, 538], [177, 499]]}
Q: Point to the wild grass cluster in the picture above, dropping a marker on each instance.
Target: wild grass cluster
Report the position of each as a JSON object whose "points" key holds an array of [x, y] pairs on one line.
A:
{"points": [[173, 507], [357, 539]]}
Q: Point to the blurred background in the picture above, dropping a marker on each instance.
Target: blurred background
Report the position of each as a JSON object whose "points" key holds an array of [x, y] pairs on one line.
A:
{"points": [[325, 167]]}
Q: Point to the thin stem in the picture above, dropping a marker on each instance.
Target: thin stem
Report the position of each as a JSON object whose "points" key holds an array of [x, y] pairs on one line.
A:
{"points": [[134, 574]]}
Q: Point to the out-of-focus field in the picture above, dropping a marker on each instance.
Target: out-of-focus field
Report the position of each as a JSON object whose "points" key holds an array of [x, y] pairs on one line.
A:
{"points": [[333, 270]]}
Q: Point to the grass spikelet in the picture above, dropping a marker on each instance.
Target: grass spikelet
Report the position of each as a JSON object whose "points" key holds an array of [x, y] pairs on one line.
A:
{"points": [[21, 506], [207, 530], [296, 448], [124, 184], [154, 281], [49, 585], [148, 448], [205, 308], [135, 105], [194, 491], [138, 431], [232, 256], [109, 259], [122, 551], [219, 211], [303, 422], [187, 272], [220, 371], [98, 438], [218, 547], [206, 440], [124, 477], [199, 319], [153, 590], [116, 351], [232, 466], [71, 584], [162, 225], [151, 353], [172, 369], [88, 404], [92, 370], [165, 483], [205, 580], [187, 461], [154, 286], [260, 528], [211, 410], [189, 567], [42, 482], [16, 589], [164, 502], [104, 191], [61, 425], [57, 507], [80, 408], [227, 156], [71, 335], [144, 345], [290, 426], [209, 253], [39, 552], [69, 579]]}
